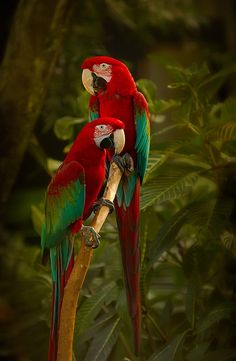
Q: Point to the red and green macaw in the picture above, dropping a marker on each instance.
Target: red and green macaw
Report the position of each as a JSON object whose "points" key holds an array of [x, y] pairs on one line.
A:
{"points": [[114, 94], [70, 197]]}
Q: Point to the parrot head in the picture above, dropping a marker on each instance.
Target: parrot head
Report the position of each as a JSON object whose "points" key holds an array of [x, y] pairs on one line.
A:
{"points": [[102, 74], [107, 133]]}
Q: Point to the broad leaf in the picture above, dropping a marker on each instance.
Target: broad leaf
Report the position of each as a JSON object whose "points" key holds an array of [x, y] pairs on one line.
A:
{"points": [[220, 355], [91, 307], [172, 351], [219, 313], [196, 354], [104, 341], [166, 236], [64, 127], [166, 188]]}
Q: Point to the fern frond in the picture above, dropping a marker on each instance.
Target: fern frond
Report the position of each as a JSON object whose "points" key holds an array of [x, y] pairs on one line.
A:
{"points": [[224, 132], [166, 188]]}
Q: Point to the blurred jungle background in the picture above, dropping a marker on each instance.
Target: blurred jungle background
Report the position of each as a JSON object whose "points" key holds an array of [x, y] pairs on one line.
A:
{"points": [[182, 55]]}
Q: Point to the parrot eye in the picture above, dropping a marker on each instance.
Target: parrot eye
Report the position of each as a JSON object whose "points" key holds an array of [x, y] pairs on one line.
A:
{"points": [[101, 127], [102, 130], [104, 66]]}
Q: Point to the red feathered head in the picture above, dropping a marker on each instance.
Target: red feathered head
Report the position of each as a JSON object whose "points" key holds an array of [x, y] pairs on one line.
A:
{"points": [[105, 74]]}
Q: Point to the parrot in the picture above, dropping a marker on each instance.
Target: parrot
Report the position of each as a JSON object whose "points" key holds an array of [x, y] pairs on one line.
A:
{"points": [[69, 200], [113, 93]]}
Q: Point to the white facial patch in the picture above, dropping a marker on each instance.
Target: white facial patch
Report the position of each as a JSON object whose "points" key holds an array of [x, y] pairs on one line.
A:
{"points": [[103, 70], [101, 132]]}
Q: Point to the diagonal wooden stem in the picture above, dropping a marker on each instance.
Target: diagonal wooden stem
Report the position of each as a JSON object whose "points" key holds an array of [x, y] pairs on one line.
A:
{"points": [[78, 274]]}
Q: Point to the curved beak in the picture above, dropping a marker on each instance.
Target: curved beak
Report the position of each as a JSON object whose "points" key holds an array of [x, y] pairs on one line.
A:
{"points": [[119, 140], [87, 80], [115, 140]]}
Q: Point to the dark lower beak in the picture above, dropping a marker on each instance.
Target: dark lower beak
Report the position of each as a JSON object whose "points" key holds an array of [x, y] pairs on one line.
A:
{"points": [[108, 143], [99, 84]]}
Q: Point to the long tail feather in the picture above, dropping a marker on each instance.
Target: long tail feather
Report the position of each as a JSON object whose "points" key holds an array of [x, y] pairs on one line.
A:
{"points": [[128, 225], [62, 262]]}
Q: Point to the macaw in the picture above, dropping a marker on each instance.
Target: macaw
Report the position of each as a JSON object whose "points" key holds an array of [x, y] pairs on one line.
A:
{"points": [[114, 93], [70, 197]]}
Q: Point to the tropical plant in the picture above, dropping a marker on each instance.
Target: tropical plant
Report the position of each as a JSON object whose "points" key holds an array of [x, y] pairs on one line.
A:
{"points": [[187, 236]]}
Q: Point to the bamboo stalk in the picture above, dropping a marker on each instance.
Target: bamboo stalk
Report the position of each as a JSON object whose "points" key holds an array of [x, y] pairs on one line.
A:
{"points": [[76, 279]]}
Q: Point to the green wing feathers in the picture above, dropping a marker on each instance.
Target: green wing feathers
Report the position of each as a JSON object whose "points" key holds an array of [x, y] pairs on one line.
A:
{"points": [[64, 204], [142, 122], [93, 108]]}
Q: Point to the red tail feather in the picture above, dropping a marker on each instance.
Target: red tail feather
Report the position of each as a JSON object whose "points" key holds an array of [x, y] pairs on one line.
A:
{"points": [[128, 224]]}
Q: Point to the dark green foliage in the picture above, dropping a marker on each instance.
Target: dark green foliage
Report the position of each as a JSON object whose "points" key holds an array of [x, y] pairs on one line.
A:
{"points": [[188, 203], [188, 242]]}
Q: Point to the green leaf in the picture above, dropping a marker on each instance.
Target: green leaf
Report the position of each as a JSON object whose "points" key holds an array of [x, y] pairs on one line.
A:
{"points": [[100, 323], [172, 351], [224, 132], [37, 216], [194, 75], [63, 127], [219, 313], [148, 88], [196, 354], [166, 188], [163, 105], [195, 264], [213, 82], [154, 161], [228, 110], [166, 236], [91, 307], [35, 149], [216, 212], [191, 300], [220, 355], [104, 341], [53, 165]]}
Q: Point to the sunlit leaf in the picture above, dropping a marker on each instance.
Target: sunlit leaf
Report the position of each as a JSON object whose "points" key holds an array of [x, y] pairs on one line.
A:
{"points": [[53, 165], [64, 127], [148, 88], [224, 132]]}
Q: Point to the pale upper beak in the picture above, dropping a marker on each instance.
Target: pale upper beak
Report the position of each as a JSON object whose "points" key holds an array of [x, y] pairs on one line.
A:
{"points": [[87, 80], [119, 140]]}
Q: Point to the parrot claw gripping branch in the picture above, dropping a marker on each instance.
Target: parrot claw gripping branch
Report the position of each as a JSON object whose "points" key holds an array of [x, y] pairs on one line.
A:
{"points": [[91, 237], [103, 202], [69, 201], [114, 94]]}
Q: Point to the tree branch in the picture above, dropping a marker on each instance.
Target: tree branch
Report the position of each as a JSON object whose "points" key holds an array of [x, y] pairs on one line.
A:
{"points": [[76, 280], [32, 50]]}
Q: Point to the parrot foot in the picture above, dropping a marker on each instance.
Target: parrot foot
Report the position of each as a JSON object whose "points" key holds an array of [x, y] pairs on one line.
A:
{"points": [[125, 163], [91, 237], [103, 202]]}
